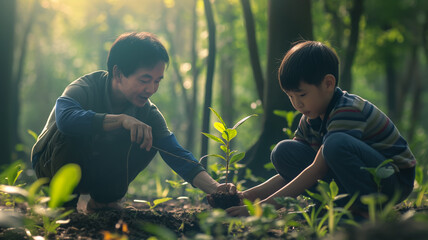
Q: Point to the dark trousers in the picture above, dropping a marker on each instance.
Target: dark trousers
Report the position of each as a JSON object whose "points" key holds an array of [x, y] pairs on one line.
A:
{"points": [[108, 163], [344, 155]]}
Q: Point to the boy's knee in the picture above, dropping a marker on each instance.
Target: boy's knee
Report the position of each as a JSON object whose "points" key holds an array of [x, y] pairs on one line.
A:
{"points": [[280, 151], [335, 144]]}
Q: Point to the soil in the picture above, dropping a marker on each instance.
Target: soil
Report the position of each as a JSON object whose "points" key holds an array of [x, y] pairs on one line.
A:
{"points": [[136, 222], [225, 200]]}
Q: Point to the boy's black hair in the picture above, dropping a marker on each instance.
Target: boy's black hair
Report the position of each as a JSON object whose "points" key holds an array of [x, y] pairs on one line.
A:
{"points": [[308, 62], [133, 50]]}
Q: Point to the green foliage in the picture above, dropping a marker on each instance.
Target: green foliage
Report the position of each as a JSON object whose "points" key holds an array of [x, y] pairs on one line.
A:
{"points": [[231, 157], [63, 184], [159, 232], [289, 116], [380, 172], [155, 203]]}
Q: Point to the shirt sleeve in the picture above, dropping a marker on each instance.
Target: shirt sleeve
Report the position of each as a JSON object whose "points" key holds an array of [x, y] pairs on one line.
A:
{"points": [[179, 159], [347, 120], [73, 120]]}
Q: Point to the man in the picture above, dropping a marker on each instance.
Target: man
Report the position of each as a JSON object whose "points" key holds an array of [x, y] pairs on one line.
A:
{"points": [[105, 122]]}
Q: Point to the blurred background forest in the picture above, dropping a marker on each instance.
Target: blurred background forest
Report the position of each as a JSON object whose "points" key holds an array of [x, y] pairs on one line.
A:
{"points": [[224, 54]]}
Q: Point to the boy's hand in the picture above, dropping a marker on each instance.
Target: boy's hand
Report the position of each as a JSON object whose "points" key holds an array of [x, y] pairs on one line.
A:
{"points": [[238, 211]]}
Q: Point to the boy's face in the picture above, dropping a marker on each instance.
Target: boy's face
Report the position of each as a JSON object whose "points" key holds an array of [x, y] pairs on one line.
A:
{"points": [[312, 100]]}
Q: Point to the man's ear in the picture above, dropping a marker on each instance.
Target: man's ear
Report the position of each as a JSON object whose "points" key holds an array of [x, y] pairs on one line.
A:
{"points": [[117, 73], [329, 81]]}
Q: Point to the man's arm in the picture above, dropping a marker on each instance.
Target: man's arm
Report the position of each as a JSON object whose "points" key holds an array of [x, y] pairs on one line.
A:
{"points": [[72, 119]]}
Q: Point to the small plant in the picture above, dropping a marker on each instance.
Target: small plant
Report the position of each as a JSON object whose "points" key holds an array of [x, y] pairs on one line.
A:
{"points": [[155, 203], [289, 117], [422, 187], [328, 194], [230, 156], [380, 172], [60, 189]]}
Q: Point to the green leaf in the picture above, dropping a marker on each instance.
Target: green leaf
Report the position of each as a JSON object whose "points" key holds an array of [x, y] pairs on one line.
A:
{"points": [[219, 118], [385, 172], [216, 155], [213, 138], [34, 188], [229, 134], [237, 157], [250, 207], [220, 127], [63, 184], [161, 200], [419, 177], [224, 148], [33, 134], [243, 120], [315, 196], [281, 113], [334, 189]]}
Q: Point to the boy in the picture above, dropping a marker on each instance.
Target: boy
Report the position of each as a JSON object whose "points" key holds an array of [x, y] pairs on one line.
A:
{"points": [[337, 135]]}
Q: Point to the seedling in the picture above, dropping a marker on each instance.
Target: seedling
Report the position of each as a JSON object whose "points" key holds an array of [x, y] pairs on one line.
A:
{"points": [[226, 200], [230, 156], [155, 202], [380, 172]]}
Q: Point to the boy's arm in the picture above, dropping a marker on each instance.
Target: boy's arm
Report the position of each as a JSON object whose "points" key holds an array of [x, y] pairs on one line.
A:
{"points": [[306, 179], [265, 189]]}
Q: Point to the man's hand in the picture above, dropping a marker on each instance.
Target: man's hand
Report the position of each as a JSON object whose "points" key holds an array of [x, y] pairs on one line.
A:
{"points": [[227, 188], [237, 211], [139, 131]]}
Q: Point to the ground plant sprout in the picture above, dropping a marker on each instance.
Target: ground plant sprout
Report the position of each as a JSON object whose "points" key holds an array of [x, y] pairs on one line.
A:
{"points": [[230, 156]]}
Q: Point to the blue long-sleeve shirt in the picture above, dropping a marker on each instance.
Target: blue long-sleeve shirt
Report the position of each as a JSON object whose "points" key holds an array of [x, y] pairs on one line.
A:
{"points": [[80, 112]]}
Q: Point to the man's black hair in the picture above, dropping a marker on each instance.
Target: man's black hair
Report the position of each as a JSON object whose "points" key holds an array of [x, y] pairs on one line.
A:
{"points": [[133, 50], [308, 62]]}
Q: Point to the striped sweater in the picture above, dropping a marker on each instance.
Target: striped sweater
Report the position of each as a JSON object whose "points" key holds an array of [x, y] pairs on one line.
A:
{"points": [[361, 119]]}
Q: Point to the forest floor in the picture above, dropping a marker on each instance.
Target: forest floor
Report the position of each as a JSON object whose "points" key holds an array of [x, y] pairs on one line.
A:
{"points": [[137, 221]]}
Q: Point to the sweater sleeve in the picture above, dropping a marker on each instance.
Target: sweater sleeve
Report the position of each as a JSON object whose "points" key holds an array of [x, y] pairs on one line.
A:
{"points": [[179, 159], [73, 120]]}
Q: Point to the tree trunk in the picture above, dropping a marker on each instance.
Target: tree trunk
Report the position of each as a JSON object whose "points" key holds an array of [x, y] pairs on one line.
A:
{"points": [[289, 21], [252, 47], [209, 79], [351, 49], [7, 27], [391, 84], [190, 140], [17, 79]]}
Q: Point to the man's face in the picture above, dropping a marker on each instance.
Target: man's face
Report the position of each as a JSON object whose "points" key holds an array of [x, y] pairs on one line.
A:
{"points": [[142, 84], [311, 100]]}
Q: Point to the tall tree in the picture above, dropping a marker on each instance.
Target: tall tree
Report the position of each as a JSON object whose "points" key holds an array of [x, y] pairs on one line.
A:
{"points": [[289, 21], [7, 27], [210, 75], [356, 12], [252, 47], [18, 75]]}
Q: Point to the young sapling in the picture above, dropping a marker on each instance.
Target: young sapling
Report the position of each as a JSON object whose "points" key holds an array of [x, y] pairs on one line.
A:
{"points": [[224, 199]]}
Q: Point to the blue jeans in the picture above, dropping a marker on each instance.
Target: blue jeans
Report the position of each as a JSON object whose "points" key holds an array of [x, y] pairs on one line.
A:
{"points": [[344, 155]]}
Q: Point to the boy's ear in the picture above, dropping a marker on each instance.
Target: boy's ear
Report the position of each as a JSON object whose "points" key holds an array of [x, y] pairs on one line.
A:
{"points": [[329, 81]]}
